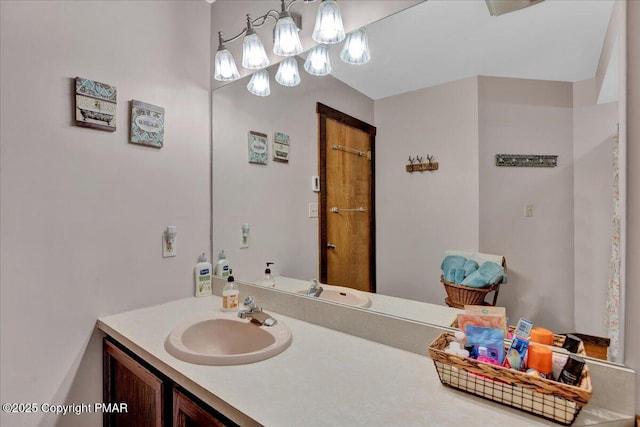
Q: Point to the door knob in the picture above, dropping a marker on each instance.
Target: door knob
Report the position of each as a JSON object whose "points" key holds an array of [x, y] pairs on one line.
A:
{"points": [[331, 246]]}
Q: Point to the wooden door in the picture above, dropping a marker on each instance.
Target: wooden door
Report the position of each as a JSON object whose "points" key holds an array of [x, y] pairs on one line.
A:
{"points": [[347, 220]]}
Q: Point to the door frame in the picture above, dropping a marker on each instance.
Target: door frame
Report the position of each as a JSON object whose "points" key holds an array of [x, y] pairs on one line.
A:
{"points": [[325, 112]]}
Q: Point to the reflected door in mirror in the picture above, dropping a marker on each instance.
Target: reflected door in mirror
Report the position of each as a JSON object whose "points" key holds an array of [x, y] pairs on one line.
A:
{"points": [[347, 244]]}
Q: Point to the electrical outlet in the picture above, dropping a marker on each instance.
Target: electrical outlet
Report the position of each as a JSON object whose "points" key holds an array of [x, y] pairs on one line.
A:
{"points": [[313, 210], [168, 250]]}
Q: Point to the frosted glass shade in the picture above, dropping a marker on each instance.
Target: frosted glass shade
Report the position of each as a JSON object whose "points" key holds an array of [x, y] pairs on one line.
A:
{"points": [[318, 62], [286, 39], [356, 48], [259, 83], [254, 56], [224, 66], [328, 28], [288, 74]]}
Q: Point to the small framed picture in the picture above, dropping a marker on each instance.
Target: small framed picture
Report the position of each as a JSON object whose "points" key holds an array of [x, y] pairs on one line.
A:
{"points": [[147, 124], [258, 148], [95, 105], [280, 147]]}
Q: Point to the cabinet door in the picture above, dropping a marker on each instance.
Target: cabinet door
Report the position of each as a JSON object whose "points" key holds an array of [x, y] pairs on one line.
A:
{"points": [[186, 413], [127, 381]]}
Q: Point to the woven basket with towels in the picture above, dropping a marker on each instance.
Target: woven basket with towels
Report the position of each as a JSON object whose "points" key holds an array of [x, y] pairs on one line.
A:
{"points": [[459, 295]]}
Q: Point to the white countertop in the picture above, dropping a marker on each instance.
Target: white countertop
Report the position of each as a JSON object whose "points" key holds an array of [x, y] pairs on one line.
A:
{"points": [[325, 378]]}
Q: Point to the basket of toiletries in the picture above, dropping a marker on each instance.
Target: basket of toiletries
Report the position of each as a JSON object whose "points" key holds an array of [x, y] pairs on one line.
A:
{"points": [[523, 369], [469, 277]]}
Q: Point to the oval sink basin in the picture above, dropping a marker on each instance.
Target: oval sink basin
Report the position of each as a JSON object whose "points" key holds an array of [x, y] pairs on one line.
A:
{"points": [[225, 339], [342, 295]]}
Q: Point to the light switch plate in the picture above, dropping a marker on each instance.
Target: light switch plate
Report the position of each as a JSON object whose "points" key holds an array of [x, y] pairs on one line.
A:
{"points": [[313, 210], [528, 210]]}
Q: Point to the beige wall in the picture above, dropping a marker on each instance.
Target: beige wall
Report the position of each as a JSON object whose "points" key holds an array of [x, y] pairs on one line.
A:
{"points": [[272, 198], [632, 349], [520, 116], [82, 210], [421, 215]]}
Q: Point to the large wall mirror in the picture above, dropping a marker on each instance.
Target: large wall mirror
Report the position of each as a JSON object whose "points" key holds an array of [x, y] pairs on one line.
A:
{"points": [[448, 80]]}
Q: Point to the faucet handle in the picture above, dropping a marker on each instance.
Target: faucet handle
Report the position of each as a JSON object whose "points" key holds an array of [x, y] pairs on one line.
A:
{"points": [[249, 302]]}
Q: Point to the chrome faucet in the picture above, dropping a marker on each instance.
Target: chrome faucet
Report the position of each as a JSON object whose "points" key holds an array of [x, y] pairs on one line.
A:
{"points": [[314, 289], [255, 313]]}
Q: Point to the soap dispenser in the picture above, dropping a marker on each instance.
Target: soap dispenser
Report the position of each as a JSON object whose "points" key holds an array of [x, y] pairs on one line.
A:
{"points": [[203, 277], [230, 294], [269, 281]]}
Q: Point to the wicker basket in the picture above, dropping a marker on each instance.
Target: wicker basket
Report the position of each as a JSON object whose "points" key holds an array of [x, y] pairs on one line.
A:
{"points": [[552, 400], [460, 295]]}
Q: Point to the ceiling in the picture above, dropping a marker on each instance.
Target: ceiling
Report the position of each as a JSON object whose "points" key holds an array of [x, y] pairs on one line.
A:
{"points": [[438, 41]]}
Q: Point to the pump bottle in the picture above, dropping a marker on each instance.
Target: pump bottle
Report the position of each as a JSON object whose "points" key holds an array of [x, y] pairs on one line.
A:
{"points": [[269, 281]]}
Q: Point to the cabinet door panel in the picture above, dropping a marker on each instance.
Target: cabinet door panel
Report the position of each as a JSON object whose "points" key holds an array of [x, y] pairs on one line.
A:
{"points": [[126, 381], [186, 413]]}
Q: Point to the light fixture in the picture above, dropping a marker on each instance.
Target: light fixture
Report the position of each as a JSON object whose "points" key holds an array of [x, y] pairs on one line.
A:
{"points": [[318, 62], [225, 69], [259, 83], [356, 48], [286, 41], [329, 28], [288, 74], [254, 56]]}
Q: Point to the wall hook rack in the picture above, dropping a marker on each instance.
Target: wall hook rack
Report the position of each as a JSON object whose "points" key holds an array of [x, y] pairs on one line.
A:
{"points": [[416, 164]]}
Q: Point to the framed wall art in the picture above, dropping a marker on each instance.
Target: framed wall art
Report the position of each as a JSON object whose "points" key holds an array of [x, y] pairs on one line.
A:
{"points": [[95, 105], [147, 124], [258, 148], [280, 147]]}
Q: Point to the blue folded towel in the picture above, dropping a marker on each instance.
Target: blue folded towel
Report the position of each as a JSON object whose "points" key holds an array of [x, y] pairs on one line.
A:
{"points": [[452, 261], [469, 267], [487, 274]]}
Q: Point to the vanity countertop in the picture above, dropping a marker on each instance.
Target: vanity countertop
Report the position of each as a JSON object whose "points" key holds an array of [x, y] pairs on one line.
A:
{"points": [[325, 378]]}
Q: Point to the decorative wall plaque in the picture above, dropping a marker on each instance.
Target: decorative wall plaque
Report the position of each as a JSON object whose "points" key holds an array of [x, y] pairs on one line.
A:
{"points": [[280, 147], [147, 124], [527, 160], [95, 105], [258, 148]]}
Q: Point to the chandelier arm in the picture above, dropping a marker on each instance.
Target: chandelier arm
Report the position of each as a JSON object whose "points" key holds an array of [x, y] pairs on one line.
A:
{"points": [[257, 22], [292, 2]]}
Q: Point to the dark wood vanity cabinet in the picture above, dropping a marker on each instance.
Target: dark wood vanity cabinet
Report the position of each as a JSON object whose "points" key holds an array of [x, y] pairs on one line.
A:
{"points": [[187, 413], [127, 381], [152, 400]]}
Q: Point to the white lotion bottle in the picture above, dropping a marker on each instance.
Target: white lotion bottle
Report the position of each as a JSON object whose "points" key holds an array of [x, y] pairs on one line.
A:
{"points": [[203, 277], [222, 266]]}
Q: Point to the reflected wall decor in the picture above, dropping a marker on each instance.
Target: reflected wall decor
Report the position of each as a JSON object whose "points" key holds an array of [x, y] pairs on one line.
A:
{"points": [[280, 147], [258, 148]]}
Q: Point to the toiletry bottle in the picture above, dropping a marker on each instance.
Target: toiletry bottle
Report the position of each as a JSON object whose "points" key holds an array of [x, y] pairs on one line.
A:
{"points": [[230, 294], [222, 266], [269, 281], [572, 371], [203, 277]]}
